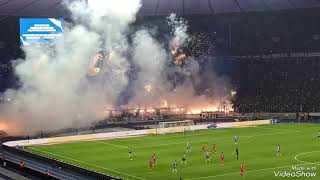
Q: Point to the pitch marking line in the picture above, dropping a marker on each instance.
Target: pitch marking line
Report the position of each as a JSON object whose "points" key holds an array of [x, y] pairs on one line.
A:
{"points": [[169, 144], [270, 134], [88, 163], [227, 174], [277, 129], [188, 135], [296, 157], [111, 144], [311, 124], [217, 140], [211, 140]]}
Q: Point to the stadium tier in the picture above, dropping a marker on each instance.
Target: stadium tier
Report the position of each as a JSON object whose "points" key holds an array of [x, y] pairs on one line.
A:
{"points": [[160, 89]]}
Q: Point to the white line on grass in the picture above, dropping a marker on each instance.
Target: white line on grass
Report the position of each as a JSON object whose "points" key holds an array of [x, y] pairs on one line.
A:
{"points": [[188, 135], [270, 134], [216, 140], [87, 163], [169, 144], [111, 144], [227, 174], [296, 157], [311, 124], [211, 140], [277, 129], [125, 147]]}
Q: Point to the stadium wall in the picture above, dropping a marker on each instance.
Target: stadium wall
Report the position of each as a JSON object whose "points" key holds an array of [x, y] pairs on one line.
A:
{"points": [[122, 134]]}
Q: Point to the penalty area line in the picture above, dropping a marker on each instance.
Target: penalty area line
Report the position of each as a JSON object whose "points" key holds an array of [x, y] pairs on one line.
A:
{"points": [[136, 177], [198, 141], [278, 129], [169, 144], [160, 137], [115, 145]]}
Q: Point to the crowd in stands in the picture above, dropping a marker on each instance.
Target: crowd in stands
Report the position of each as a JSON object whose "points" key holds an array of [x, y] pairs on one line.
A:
{"points": [[274, 33], [7, 78], [278, 85], [261, 33]]}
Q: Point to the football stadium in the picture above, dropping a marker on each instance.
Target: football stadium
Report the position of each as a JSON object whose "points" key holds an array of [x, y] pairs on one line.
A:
{"points": [[159, 89]]}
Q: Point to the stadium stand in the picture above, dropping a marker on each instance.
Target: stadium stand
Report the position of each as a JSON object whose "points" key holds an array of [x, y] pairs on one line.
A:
{"points": [[270, 49]]}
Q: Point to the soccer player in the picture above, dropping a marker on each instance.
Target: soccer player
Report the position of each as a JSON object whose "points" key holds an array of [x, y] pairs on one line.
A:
{"points": [[278, 150], [237, 153], [175, 165], [151, 164], [235, 139], [222, 158], [184, 159], [242, 169], [203, 148], [207, 159], [154, 158], [188, 147], [130, 153], [214, 148]]}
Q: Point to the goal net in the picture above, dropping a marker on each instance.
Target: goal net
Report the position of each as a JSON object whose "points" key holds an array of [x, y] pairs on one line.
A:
{"points": [[175, 126]]}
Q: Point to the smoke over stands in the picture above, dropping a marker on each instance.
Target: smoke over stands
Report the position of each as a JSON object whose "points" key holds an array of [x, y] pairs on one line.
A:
{"points": [[71, 83]]}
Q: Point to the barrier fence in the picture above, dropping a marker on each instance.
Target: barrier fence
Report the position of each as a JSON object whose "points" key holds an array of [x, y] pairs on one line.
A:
{"points": [[59, 164]]}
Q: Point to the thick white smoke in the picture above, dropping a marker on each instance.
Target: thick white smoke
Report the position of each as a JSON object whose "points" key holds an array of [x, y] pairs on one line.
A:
{"points": [[151, 59], [62, 87], [55, 89]]}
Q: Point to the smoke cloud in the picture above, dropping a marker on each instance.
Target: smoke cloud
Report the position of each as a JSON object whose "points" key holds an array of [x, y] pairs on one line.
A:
{"points": [[70, 85], [56, 91]]}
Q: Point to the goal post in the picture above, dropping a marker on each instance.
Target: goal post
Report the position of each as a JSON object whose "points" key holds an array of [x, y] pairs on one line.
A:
{"points": [[175, 126]]}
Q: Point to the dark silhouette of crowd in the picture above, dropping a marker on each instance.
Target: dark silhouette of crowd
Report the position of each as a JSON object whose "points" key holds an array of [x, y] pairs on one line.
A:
{"points": [[278, 85]]}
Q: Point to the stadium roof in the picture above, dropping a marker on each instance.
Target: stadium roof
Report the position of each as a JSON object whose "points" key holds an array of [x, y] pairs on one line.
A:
{"points": [[54, 8]]}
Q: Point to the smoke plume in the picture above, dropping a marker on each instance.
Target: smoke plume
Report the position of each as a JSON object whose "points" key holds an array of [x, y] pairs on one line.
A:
{"points": [[56, 91], [71, 83]]}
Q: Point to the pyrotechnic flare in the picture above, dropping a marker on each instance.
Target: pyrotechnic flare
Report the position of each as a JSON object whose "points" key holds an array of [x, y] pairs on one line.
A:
{"points": [[148, 88], [93, 69]]}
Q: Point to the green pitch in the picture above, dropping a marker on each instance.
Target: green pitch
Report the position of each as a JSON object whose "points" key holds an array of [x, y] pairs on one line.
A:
{"points": [[257, 149]]}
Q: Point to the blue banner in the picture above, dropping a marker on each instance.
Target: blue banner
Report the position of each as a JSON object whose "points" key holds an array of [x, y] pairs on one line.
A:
{"points": [[40, 30]]}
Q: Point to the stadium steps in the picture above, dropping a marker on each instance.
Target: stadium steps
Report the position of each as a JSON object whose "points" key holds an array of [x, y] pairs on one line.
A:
{"points": [[42, 167], [9, 175]]}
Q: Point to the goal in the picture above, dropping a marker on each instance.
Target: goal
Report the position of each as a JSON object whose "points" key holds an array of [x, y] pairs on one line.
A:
{"points": [[175, 126]]}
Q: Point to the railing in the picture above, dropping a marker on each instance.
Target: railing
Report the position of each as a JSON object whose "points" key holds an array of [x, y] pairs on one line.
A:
{"points": [[58, 163], [14, 165], [313, 121]]}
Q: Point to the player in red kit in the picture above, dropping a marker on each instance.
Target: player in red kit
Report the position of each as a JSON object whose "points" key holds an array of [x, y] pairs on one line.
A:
{"points": [[151, 164], [214, 148], [203, 148], [222, 158], [242, 169], [154, 158]]}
